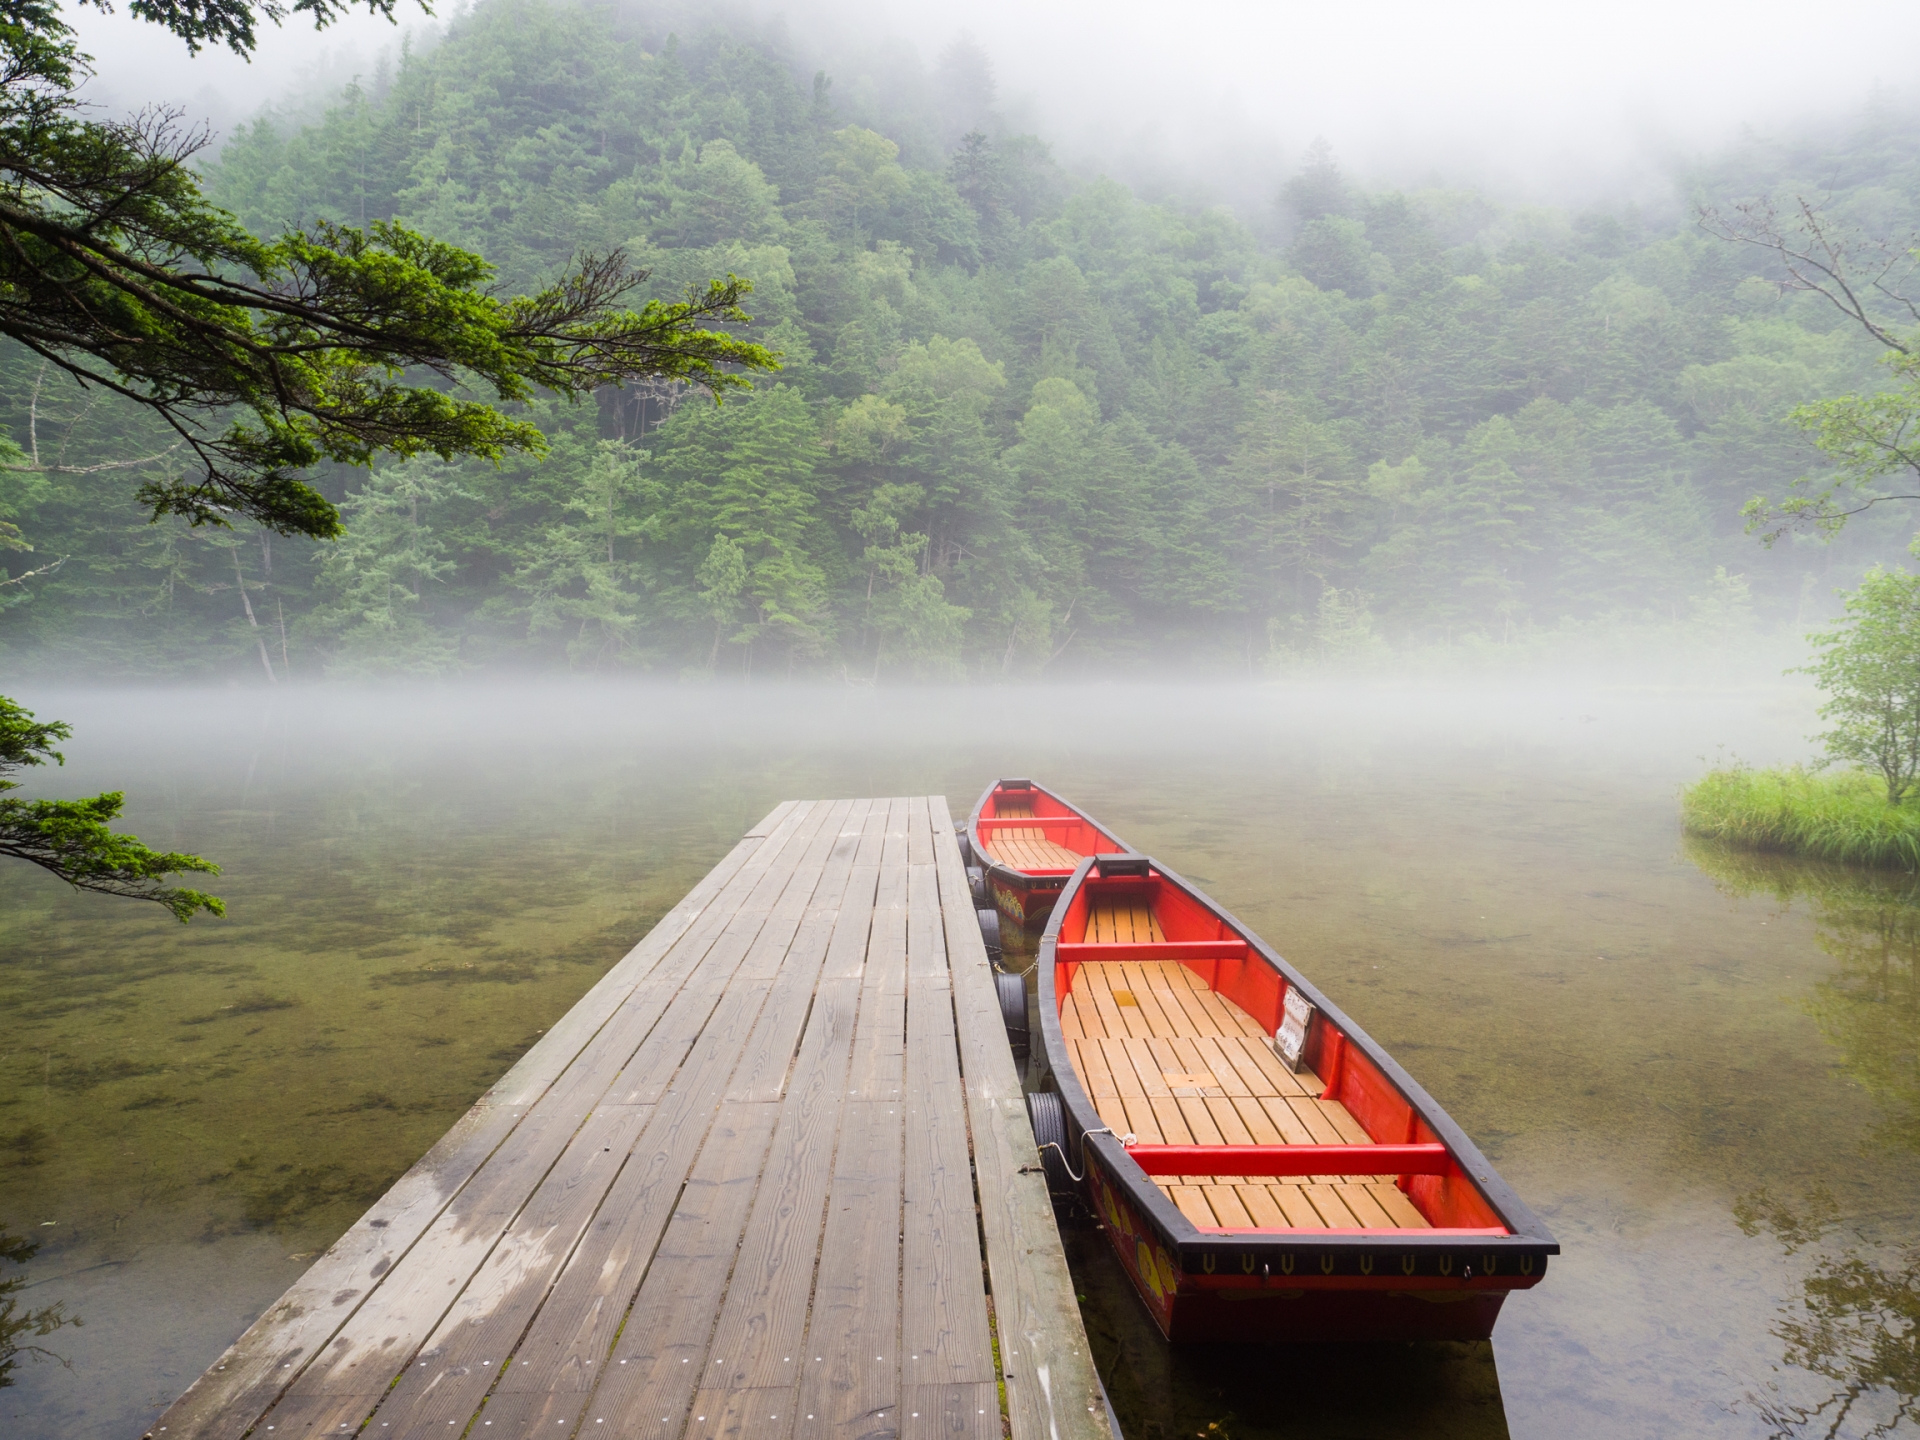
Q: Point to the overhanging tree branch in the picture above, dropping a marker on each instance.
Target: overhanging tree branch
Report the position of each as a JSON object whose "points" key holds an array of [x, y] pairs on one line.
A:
{"points": [[72, 838], [1820, 256], [1871, 282], [329, 343], [266, 357]]}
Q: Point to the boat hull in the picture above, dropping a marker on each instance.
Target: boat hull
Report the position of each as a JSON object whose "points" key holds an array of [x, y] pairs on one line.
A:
{"points": [[1257, 1301], [1305, 1274], [1024, 900]]}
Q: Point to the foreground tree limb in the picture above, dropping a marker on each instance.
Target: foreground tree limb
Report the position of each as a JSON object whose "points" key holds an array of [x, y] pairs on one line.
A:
{"points": [[266, 357], [71, 838]]}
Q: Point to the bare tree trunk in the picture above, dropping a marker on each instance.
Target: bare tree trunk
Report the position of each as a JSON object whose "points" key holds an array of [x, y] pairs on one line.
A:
{"points": [[266, 661], [286, 665]]}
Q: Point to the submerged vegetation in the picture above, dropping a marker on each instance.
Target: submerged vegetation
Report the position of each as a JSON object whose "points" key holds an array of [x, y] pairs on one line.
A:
{"points": [[1027, 420]]}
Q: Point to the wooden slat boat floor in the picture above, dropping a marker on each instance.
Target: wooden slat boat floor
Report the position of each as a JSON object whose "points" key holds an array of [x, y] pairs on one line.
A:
{"points": [[736, 1196], [1025, 849], [1170, 1062]]}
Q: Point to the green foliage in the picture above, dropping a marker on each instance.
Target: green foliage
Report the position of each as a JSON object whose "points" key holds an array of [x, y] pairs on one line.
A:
{"points": [[332, 343], [1869, 667], [372, 583], [1842, 816], [71, 838]]}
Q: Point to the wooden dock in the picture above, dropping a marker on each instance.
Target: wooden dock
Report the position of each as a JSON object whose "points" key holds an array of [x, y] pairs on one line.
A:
{"points": [[771, 1179]]}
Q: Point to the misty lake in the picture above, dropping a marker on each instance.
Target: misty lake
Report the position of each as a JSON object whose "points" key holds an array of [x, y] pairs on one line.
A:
{"points": [[1698, 1067]]}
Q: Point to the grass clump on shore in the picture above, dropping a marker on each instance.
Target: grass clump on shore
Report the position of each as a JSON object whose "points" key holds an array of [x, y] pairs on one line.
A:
{"points": [[1842, 815]]}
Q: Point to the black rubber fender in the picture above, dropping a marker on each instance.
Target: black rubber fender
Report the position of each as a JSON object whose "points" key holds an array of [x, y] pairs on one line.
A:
{"points": [[1013, 1007], [990, 934], [977, 883], [1049, 1119], [966, 846]]}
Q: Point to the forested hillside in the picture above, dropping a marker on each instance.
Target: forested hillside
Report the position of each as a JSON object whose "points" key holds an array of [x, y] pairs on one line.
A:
{"points": [[1026, 422]]}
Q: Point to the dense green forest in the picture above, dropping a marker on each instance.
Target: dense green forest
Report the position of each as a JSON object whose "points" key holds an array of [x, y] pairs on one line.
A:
{"points": [[1026, 422]]}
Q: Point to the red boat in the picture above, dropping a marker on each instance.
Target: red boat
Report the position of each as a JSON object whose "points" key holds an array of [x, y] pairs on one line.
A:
{"points": [[1264, 1170], [1027, 840]]}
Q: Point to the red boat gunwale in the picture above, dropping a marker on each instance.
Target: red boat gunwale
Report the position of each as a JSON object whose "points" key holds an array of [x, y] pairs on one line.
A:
{"points": [[1483, 1241]]}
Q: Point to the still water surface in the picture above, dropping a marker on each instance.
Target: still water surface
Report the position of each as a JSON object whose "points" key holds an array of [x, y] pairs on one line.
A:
{"points": [[1698, 1067]]}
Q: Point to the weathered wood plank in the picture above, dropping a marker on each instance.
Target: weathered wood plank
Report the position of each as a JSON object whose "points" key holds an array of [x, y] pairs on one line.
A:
{"points": [[378, 1341], [731, 1195], [944, 1327], [1037, 1317], [463, 1357], [950, 1412], [919, 832], [850, 1383], [743, 1414], [774, 817], [880, 1044], [771, 1049], [944, 1314], [642, 1385], [694, 1005], [926, 943], [576, 1328], [762, 1323]]}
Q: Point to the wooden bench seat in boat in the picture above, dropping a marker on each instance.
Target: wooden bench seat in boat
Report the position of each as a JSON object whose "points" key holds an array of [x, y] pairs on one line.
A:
{"points": [[1029, 850], [1026, 847]]}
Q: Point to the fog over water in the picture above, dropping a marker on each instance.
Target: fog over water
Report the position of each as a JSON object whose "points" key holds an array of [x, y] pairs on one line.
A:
{"points": [[1670, 1051], [1219, 99]]}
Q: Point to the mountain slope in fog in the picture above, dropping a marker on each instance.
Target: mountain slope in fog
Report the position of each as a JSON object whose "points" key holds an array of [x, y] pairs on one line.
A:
{"points": [[1026, 420]]}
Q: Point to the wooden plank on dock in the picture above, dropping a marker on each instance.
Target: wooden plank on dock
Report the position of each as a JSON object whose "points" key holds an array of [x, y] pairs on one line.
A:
{"points": [[771, 1179], [1035, 1313]]}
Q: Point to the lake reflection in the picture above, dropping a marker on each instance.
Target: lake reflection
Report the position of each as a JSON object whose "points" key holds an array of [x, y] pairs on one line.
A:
{"points": [[1850, 1341], [1491, 883]]}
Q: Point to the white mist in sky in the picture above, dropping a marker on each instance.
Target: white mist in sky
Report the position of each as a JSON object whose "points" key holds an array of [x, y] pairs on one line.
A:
{"points": [[137, 63], [1555, 102]]}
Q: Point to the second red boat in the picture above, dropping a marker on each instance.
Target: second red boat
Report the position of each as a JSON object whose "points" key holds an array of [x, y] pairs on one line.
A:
{"points": [[1027, 840]]}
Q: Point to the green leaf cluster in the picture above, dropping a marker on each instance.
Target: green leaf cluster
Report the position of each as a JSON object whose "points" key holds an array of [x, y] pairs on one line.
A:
{"points": [[1869, 669], [72, 838]]}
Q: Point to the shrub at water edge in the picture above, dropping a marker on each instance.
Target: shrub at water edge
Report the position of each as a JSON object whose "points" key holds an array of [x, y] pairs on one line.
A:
{"points": [[1841, 815]]}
